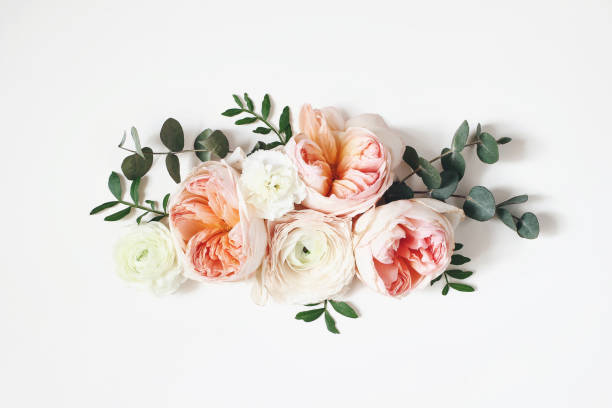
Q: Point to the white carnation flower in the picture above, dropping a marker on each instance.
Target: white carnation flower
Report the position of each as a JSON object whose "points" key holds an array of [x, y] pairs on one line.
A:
{"points": [[146, 257], [310, 259], [270, 184]]}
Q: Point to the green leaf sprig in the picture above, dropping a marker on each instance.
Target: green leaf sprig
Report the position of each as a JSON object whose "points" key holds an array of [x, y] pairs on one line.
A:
{"points": [[136, 165], [313, 314], [455, 274], [114, 185], [283, 132], [479, 203]]}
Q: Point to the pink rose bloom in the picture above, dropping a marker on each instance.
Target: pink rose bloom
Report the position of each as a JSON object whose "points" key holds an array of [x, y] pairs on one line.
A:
{"points": [[210, 223], [346, 166], [401, 244]]}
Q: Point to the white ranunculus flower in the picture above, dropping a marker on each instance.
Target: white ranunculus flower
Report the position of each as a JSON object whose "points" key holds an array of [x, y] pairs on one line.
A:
{"points": [[146, 257], [270, 184], [310, 259]]}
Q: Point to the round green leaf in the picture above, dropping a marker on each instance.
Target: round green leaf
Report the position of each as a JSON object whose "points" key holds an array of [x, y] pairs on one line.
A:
{"points": [[411, 157], [114, 185], [515, 200], [479, 204], [398, 191], [453, 161], [217, 143], [172, 135], [198, 144], [134, 166], [506, 217], [448, 185], [174, 167], [460, 137], [429, 174], [487, 149], [528, 226]]}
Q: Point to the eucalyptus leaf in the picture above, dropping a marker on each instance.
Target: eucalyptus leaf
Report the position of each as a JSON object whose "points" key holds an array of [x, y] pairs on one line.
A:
{"points": [[262, 130], [344, 309], [172, 135], [504, 140], [448, 185], [249, 102], [411, 157], [265, 106], [134, 166], [238, 101], [429, 174], [232, 112], [453, 161], [479, 204], [519, 199], [165, 202], [461, 287], [104, 206], [217, 143], [487, 149], [528, 226], [478, 131], [506, 217], [310, 315], [459, 274], [174, 167], [118, 215], [114, 185], [330, 323], [398, 191], [246, 121], [445, 290], [457, 259], [123, 139], [134, 190], [198, 144], [136, 140], [460, 137]]}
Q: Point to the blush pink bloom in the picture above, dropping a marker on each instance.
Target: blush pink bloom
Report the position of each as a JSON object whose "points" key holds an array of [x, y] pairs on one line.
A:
{"points": [[346, 168], [209, 221], [399, 245]]}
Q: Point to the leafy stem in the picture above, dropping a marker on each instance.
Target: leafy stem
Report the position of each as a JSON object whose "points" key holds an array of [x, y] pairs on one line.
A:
{"points": [[413, 172], [265, 121]]}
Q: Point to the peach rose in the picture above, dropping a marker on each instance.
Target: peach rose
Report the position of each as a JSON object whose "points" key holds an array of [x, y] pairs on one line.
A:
{"points": [[218, 239], [346, 168], [400, 244]]}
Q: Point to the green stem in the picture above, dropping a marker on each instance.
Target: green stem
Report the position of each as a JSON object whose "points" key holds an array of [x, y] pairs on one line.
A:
{"points": [[436, 158], [143, 208], [182, 151]]}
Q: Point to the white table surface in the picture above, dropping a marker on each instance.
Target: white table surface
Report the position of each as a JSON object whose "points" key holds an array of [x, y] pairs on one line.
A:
{"points": [[75, 74]]}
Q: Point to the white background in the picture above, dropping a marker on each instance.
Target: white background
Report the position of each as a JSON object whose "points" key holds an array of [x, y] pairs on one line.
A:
{"points": [[75, 74]]}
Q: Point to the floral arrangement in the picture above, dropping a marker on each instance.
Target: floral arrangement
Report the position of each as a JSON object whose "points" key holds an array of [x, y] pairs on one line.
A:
{"points": [[304, 215]]}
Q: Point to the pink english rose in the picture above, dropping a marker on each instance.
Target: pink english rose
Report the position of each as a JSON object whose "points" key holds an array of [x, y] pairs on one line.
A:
{"points": [[399, 245]]}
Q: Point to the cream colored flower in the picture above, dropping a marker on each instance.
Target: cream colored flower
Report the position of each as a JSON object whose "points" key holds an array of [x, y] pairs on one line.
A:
{"points": [[270, 184], [146, 257], [310, 259]]}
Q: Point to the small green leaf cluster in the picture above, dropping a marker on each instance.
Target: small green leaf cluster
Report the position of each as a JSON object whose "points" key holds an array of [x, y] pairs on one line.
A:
{"points": [[455, 274], [313, 314], [284, 131], [136, 165], [114, 185]]}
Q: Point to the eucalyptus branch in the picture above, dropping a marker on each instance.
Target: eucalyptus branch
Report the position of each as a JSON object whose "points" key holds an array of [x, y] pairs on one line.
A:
{"points": [[413, 172]]}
